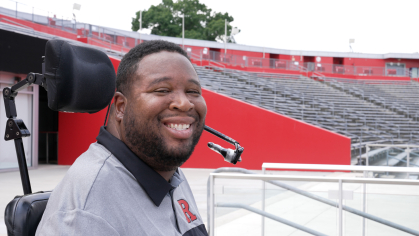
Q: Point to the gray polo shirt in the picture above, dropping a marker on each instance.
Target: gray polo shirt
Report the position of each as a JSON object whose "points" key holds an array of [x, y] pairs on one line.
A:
{"points": [[110, 191]]}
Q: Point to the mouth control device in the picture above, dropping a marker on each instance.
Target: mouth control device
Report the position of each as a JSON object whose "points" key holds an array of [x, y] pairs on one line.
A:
{"points": [[230, 155]]}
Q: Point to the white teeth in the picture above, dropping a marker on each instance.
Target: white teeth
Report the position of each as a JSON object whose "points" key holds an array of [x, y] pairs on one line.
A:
{"points": [[179, 126]]}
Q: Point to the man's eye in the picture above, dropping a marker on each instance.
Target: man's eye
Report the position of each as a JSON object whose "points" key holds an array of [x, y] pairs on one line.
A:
{"points": [[194, 92], [162, 91]]}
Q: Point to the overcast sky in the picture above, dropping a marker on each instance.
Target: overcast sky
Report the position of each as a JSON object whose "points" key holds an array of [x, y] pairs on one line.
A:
{"points": [[316, 25]]}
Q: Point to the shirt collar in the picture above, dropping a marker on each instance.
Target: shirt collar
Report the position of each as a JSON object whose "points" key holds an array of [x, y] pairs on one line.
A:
{"points": [[152, 182], [176, 179]]}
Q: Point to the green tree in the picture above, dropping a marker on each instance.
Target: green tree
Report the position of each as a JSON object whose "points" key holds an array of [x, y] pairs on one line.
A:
{"points": [[216, 26], [200, 22]]}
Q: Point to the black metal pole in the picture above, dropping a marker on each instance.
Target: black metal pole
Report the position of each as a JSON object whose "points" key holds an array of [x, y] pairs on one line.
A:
{"points": [[220, 135], [24, 175], [16, 128]]}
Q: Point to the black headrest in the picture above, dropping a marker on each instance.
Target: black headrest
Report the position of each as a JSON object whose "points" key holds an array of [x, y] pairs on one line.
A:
{"points": [[79, 79]]}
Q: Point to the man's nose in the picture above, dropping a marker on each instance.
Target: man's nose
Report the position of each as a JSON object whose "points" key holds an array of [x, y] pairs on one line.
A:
{"points": [[181, 102]]}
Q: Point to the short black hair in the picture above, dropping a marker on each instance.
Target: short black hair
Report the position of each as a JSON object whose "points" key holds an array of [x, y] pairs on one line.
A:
{"points": [[129, 63]]}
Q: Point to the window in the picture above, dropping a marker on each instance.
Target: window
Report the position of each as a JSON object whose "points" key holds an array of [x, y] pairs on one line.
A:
{"points": [[395, 69]]}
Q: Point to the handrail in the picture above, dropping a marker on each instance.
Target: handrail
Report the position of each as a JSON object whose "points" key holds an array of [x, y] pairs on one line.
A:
{"points": [[366, 81], [393, 145], [64, 28], [196, 56], [101, 39], [395, 158], [339, 167], [16, 23], [270, 179], [263, 74], [407, 146], [321, 76], [271, 216], [106, 45], [216, 63]]}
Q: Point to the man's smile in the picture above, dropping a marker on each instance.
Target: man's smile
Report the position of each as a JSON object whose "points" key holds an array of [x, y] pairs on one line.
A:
{"points": [[179, 127]]}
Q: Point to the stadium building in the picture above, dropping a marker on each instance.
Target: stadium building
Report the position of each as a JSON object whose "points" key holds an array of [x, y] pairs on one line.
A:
{"points": [[283, 106], [296, 106]]}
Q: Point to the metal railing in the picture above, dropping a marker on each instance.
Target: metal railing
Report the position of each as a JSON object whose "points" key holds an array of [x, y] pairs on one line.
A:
{"points": [[340, 180], [24, 11], [215, 64], [364, 169], [356, 70], [409, 148], [257, 62], [343, 81], [15, 23]]}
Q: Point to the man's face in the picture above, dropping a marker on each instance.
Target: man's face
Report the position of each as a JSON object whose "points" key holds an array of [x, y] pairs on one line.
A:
{"points": [[165, 112]]}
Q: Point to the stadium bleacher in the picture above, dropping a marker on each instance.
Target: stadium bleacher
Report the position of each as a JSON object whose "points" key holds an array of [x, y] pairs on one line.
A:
{"points": [[364, 111]]}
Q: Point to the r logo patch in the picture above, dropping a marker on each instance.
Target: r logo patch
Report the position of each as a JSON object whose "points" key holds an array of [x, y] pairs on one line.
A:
{"points": [[185, 208]]}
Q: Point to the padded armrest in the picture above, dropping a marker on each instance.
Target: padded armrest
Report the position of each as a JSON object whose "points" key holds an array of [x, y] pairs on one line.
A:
{"points": [[23, 213]]}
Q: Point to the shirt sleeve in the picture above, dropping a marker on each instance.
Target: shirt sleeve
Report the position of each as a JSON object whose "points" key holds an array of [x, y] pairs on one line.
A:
{"points": [[75, 222]]}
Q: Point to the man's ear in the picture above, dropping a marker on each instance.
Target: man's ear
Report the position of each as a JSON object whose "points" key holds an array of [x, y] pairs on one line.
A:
{"points": [[120, 102]]}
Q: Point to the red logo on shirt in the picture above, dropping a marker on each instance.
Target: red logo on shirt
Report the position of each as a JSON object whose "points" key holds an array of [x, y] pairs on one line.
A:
{"points": [[185, 208]]}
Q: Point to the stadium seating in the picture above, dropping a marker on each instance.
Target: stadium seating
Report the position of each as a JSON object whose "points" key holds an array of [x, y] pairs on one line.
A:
{"points": [[364, 111], [398, 100]]}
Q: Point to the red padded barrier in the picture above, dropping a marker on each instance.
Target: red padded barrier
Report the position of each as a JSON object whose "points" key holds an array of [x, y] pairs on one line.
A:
{"points": [[266, 137]]}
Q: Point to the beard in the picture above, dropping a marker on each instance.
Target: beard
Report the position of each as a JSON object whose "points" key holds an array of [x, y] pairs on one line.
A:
{"points": [[150, 147]]}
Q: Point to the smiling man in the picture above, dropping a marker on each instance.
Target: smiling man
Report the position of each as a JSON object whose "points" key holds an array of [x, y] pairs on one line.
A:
{"points": [[129, 181]]}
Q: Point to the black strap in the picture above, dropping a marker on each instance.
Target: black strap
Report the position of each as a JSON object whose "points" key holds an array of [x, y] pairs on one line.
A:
{"points": [[107, 113]]}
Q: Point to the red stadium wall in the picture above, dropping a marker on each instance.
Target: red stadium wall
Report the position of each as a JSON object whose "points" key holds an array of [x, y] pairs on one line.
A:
{"points": [[76, 131], [408, 62], [245, 53], [265, 135], [379, 62]]}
